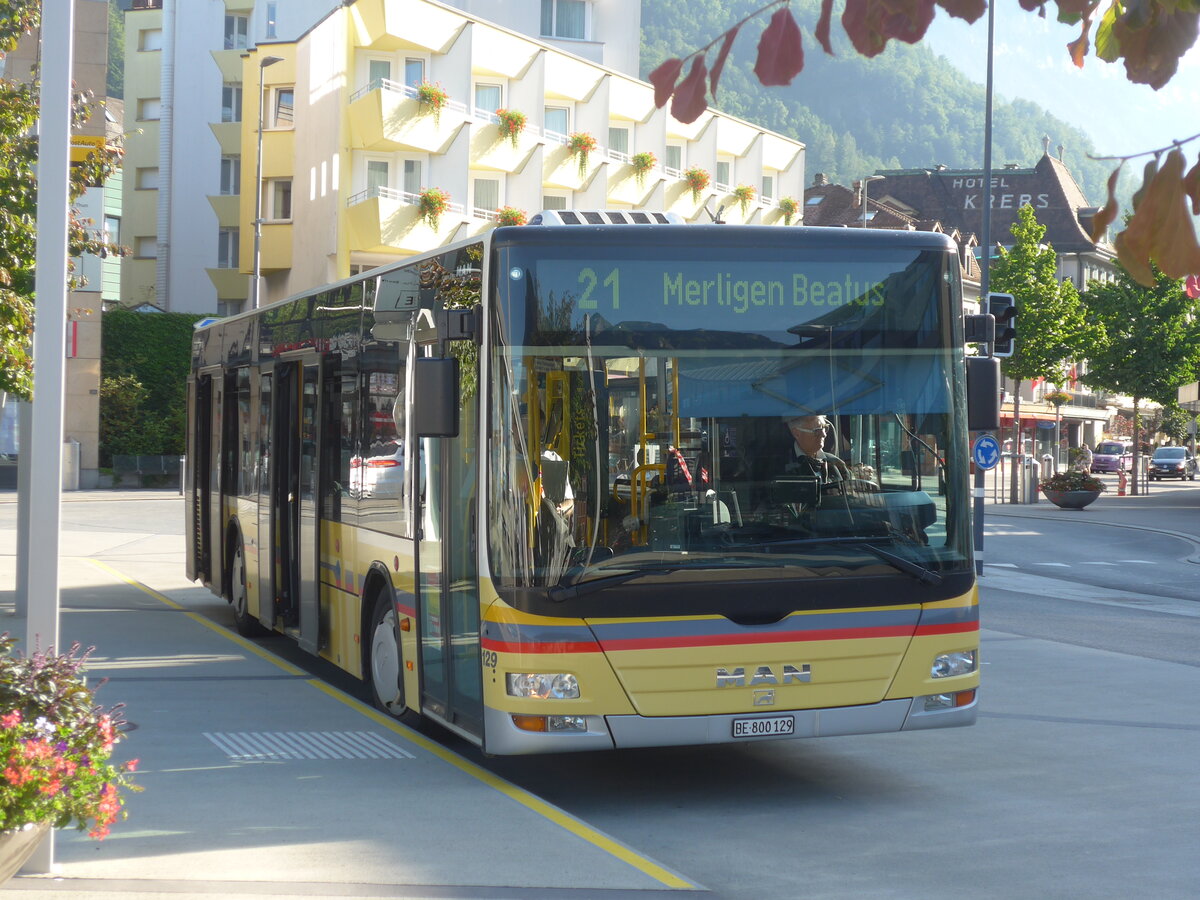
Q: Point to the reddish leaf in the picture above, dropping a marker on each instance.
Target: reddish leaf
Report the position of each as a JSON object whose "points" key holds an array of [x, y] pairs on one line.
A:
{"points": [[1031, 5], [1153, 45], [969, 10], [1191, 187], [720, 63], [1148, 174], [1161, 230], [870, 24], [663, 78], [1108, 213], [780, 50], [689, 100], [822, 30], [1078, 48]]}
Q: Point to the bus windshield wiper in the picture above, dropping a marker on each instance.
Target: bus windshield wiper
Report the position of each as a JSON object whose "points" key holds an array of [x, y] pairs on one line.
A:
{"points": [[561, 592], [907, 566]]}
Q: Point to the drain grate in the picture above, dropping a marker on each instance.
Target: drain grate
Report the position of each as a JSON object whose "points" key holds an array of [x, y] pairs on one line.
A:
{"points": [[262, 746]]}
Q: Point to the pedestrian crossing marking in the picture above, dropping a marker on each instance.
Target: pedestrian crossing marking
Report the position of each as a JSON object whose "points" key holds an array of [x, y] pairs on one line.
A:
{"points": [[266, 746]]}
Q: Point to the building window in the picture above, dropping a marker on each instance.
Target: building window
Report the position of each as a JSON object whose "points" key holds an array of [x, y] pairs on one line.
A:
{"points": [[674, 157], [378, 71], [488, 99], [227, 248], [558, 120], [285, 107], [723, 174], [235, 32], [112, 229], [412, 176], [414, 72], [554, 201], [231, 103], [149, 109], [486, 194], [768, 188], [564, 19], [145, 247], [279, 196], [147, 178], [231, 175], [618, 140], [378, 176], [272, 19], [149, 39]]}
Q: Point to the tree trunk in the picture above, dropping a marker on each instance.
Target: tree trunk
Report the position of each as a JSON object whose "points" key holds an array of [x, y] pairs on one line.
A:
{"points": [[1137, 447]]}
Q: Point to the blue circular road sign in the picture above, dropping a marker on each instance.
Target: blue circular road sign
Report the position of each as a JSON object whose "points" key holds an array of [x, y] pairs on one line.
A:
{"points": [[986, 451]]}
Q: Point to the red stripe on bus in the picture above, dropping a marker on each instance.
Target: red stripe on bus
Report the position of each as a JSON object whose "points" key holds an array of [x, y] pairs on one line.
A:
{"points": [[548, 647], [948, 628], [717, 640]]}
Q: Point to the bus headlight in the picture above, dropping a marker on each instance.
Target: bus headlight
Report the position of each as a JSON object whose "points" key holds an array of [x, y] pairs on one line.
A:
{"points": [[945, 665], [562, 686]]}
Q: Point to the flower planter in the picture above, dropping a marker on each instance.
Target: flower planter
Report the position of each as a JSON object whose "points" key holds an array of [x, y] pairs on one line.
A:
{"points": [[1071, 499], [17, 845]]}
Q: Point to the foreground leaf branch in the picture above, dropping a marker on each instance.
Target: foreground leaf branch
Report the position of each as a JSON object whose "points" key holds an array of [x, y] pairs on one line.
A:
{"points": [[1148, 36]]}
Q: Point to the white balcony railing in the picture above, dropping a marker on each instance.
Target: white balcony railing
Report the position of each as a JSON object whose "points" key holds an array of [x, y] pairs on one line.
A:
{"points": [[387, 193], [396, 87]]}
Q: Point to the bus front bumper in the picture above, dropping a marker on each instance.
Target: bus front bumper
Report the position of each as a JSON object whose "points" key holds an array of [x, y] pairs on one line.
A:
{"points": [[502, 737]]}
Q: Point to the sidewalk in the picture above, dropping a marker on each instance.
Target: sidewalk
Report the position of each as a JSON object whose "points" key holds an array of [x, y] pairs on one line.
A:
{"points": [[1170, 508], [261, 780]]}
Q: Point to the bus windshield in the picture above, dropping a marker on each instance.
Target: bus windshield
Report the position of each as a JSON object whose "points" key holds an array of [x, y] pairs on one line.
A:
{"points": [[691, 404]]}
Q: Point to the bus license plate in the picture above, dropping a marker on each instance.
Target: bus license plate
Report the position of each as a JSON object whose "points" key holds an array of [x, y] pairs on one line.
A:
{"points": [[773, 726]]}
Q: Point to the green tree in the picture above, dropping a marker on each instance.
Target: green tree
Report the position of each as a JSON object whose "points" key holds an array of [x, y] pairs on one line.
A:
{"points": [[18, 213], [115, 82], [1050, 323], [1145, 341]]}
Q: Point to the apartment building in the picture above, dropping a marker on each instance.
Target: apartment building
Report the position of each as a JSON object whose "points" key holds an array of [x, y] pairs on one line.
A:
{"points": [[387, 109], [348, 147]]}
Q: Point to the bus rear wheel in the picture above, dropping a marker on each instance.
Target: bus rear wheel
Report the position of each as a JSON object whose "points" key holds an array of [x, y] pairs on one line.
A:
{"points": [[384, 663], [245, 623]]}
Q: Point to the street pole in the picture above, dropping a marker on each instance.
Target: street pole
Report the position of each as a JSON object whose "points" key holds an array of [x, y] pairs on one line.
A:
{"points": [[866, 180], [985, 242], [41, 450], [254, 285]]}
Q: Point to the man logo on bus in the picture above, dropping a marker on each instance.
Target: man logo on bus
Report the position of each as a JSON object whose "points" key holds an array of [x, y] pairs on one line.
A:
{"points": [[764, 675]]}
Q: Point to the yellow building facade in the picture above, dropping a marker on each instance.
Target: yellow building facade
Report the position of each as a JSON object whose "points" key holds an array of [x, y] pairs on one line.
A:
{"points": [[386, 111]]}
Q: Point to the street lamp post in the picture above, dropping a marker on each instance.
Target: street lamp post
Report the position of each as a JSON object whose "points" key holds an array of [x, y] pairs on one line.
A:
{"points": [[254, 285], [866, 180]]}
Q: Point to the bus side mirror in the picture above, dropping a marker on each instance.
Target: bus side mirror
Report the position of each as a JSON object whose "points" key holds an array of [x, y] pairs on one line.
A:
{"points": [[435, 397], [983, 393]]}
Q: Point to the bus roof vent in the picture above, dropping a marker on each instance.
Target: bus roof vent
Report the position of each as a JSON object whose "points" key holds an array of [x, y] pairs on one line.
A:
{"points": [[604, 217]]}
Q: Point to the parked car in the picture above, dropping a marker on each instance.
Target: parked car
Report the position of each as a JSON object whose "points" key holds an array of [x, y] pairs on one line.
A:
{"points": [[1112, 456], [1172, 462], [379, 475]]}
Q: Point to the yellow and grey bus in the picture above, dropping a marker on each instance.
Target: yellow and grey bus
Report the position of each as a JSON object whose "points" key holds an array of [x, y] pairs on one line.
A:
{"points": [[543, 488]]}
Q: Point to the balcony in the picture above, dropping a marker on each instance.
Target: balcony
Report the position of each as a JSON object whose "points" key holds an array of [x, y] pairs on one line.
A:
{"points": [[384, 220], [386, 115]]}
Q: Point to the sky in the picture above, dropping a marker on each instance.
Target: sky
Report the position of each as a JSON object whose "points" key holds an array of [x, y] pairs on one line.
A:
{"points": [[1031, 62]]}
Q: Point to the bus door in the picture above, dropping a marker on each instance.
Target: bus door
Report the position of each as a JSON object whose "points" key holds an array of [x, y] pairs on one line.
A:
{"points": [[199, 550], [451, 678], [294, 472]]}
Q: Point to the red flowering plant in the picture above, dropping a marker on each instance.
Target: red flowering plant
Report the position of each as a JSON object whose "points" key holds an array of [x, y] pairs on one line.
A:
{"points": [[580, 144], [511, 215], [56, 744]]}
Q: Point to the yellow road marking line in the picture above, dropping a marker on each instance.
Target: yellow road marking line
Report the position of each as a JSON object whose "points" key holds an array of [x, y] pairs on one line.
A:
{"points": [[530, 801], [246, 645]]}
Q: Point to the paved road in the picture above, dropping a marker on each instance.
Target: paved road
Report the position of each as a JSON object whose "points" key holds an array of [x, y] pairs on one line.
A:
{"points": [[1076, 782]]}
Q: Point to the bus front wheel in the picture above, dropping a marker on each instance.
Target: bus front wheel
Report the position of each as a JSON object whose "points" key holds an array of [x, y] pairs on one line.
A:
{"points": [[384, 660]]}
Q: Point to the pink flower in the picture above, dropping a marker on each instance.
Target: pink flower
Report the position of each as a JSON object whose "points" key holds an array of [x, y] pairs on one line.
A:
{"points": [[11, 720]]}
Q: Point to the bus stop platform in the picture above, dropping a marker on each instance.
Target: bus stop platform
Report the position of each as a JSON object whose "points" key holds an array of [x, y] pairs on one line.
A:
{"points": [[261, 779]]}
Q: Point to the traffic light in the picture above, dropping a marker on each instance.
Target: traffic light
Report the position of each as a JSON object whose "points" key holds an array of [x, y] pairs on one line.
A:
{"points": [[1003, 308]]}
